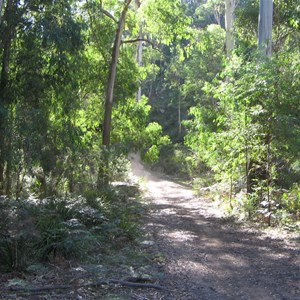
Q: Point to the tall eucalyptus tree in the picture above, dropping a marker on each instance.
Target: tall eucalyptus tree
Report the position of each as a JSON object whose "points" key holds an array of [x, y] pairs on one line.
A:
{"points": [[112, 75], [229, 18], [265, 27], [9, 25]]}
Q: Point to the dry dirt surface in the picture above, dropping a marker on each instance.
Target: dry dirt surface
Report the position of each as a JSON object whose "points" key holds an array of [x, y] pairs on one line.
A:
{"points": [[206, 256]]}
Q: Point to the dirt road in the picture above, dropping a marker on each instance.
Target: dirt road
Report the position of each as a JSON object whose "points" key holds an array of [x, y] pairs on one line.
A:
{"points": [[205, 256]]}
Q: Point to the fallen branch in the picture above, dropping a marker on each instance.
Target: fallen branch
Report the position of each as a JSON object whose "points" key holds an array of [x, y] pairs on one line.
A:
{"points": [[92, 284], [135, 284]]}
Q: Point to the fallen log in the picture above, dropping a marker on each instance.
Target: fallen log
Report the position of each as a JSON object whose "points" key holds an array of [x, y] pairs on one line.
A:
{"points": [[76, 286]]}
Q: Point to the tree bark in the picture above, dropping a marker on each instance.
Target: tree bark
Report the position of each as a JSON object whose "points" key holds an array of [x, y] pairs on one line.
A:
{"points": [[140, 62], [229, 18], [1, 7], [139, 52], [112, 76], [265, 23], [6, 46], [6, 49]]}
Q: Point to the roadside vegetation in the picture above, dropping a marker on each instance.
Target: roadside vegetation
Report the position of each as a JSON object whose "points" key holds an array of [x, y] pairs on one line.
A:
{"points": [[203, 89]]}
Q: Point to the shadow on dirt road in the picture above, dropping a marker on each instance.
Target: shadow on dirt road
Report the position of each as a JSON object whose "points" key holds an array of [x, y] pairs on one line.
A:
{"points": [[205, 256]]}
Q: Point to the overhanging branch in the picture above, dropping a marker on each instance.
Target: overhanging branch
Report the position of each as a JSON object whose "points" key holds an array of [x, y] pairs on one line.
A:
{"points": [[108, 14], [154, 46]]}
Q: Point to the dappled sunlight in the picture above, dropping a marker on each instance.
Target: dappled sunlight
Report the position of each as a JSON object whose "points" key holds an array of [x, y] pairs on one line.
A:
{"points": [[179, 236], [208, 256], [167, 211], [206, 91]]}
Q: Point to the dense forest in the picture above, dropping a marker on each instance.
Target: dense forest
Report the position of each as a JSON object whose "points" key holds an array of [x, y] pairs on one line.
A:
{"points": [[206, 90]]}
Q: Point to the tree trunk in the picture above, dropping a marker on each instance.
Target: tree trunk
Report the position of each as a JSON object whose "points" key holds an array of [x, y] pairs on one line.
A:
{"points": [[254, 171], [112, 76], [6, 46], [4, 102], [265, 22], [1, 7], [139, 61], [179, 119], [139, 55], [229, 18]]}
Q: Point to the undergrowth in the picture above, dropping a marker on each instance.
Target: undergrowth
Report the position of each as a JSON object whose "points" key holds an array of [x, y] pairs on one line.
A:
{"points": [[45, 230], [274, 206], [178, 161]]}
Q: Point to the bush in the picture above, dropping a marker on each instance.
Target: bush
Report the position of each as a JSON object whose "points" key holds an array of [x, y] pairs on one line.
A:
{"points": [[34, 230], [178, 160], [291, 200]]}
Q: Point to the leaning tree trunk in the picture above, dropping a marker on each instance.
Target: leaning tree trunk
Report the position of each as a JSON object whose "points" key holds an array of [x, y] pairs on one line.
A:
{"points": [[265, 22], [112, 77], [103, 177], [229, 18]]}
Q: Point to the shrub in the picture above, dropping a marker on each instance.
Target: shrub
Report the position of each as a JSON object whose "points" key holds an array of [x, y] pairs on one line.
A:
{"points": [[37, 230], [178, 160]]}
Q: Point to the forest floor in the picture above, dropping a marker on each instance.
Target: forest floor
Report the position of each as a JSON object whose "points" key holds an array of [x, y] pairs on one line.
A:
{"points": [[204, 255], [188, 247]]}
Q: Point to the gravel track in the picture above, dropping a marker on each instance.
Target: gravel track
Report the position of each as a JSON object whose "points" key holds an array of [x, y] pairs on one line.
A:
{"points": [[206, 256]]}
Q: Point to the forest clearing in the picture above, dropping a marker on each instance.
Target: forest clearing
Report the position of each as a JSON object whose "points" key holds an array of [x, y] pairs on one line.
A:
{"points": [[198, 100]]}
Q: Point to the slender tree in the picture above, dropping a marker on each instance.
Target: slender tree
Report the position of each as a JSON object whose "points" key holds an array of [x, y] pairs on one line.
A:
{"points": [[6, 42], [112, 76], [139, 54], [1, 6], [229, 18]]}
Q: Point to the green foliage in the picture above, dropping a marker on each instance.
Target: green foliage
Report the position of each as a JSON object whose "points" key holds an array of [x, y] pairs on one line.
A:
{"points": [[211, 11], [246, 25], [183, 73], [291, 201], [152, 154], [34, 230], [58, 71], [130, 119], [177, 160], [152, 141], [46, 60], [239, 118], [252, 109], [166, 20], [285, 28], [47, 229]]}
